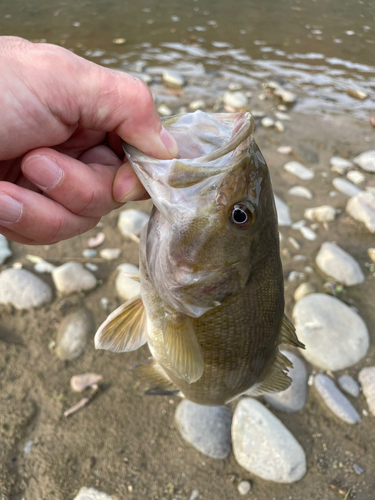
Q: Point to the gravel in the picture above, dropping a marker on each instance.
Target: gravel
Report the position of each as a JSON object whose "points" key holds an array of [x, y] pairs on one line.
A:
{"points": [[367, 379], [73, 333], [366, 161], [362, 208], [338, 264], [73, 277], [349, 385], [296, 168], [334, 335], [23, 289], [264, 446]]}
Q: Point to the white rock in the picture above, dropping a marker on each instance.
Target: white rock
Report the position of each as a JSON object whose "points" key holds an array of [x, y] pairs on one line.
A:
{"points": [[73, 277], [371, 253], [279, 126], [335, 400], [284, 150], [345, 187], [297, 225], [282, 116], [23, 289], [91, 494], [126, 287], [198, 104], [338, 264], [349, 385], [301, 191], [244, 487], [267, 122], [303, 290], [367, 379], [264, 446], [78, 383], [296, 275], [334, 335], [235, 100], [164, 110], [286, 95], [362, 208], [366, 161], [89, 253], [73, 333], [340, 165], [5, 251], [355, 176], [294, 398], [131, 222], [173, 79], [296, 168], [44, 267], [97, 240], [324, 213], [308, 233], [283, 214], [110, 253]]}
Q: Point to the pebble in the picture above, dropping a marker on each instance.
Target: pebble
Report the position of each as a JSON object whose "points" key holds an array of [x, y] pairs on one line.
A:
{"points": [[366, 378], [308, 233], [295, 275], [125, 286], [294, 398], [357, 94], [23, 289], [294, 242], [42, 266], [91, 267], [324, 213], [366, 161], [244, 487], [267, 122], [73, 333], [345, 187], [110, 253], [296, 168], [78, 383], [371, 253], [355, 176], [335, 400], [362, 208], [284, 150], [304, 289], [334, 335], [358, 469], [5, 251], [194, 495], [301, 191], [279, 126], [338, 264], [207, 428], [282, 116], [73, 277], [283, 214], [119, 41], [349, 385], [89, 253], [235, 100], [28, 446], [286, 96], [340, 165], [198, 104], [259, 437], [131, 222], [164, 110], [91, 494], [173, 79], [96, 240]]}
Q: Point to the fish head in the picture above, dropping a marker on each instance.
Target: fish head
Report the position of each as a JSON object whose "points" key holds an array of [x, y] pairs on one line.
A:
{"points": [[214, 212]]}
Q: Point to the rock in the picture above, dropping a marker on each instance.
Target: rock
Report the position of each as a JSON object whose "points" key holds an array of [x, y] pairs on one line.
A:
{"points": [[355, 176], [23, 289], [264, 446], [194, 495], [72, 335], [279, 126], [283, 214], [335, 400], [295, 275], [164, 110], [91, 494], [371, 253], [89, 253], [349, 385], [340, 165], [367, 379], [110, 253], [338, 264], [366, 161], [73, 277], [284, 150], [131, 222], [96, 240], [244, 487], [198, 104], [43, 267], [362, 208], [119, 41], [294, 398], [308, 233], [296, 168], [358, 469], [282, 116], [173, 79], [235, 100], [303, 290], [334, 335], [126, 287], [286, 96], [345, 187], [78, 383], [267, 122], [357, 94], [294, 242], [301, 191], [207, 428], [324, 213], [5, 251]]}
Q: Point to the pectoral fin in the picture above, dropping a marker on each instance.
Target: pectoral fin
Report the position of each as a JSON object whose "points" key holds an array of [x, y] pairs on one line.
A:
{"points": [[125, 329], [151, 372], [182, 348], [288, 334], [276, 379]]}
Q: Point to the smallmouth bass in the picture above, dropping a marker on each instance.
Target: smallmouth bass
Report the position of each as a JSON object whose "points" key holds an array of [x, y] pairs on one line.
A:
{"points": [[212, 294]]}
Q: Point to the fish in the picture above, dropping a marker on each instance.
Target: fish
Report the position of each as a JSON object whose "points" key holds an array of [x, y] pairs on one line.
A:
{"points": [[211, 306]]}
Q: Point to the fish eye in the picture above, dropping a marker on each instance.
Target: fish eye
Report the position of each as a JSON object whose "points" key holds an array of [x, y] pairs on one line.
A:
{"points": [[240, 216]]}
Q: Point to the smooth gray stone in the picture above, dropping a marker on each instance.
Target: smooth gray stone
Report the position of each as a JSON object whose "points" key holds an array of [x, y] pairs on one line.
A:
{"points": [[345, 187], [296, 168], [5, 251], [207, 428], [340, 165], [349, 385], [235, 99], [338, 264], [131, 222], [334, 335], [366, 161], [335, 400], [92, 494], [173, 79], [244, 487], [283, 214], [301, 191], [73, 277], [294, 398], [73, 333], [23, 289], [264, 446], [355, 177], [367, 379], [362, 208]]}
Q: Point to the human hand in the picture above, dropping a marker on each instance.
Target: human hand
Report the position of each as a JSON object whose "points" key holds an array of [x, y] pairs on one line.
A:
{"points": [[61, 162]]}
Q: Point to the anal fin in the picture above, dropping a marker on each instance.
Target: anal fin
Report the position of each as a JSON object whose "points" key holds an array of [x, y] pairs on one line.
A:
{"points": [[276, 379], [152, 373], [288, 334]]}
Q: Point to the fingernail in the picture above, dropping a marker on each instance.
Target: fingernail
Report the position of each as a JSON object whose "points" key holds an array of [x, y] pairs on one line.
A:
{"points": [[10, 209], [169, 142], [43, 171]]}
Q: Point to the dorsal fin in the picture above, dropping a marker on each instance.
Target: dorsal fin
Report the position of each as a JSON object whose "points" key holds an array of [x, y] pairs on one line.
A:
{"points": [[276, 379], [288, 334]]}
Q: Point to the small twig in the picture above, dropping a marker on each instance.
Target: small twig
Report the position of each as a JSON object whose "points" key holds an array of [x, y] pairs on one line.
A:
{"points": [[339, 490], [84, 402], [133, 237]]}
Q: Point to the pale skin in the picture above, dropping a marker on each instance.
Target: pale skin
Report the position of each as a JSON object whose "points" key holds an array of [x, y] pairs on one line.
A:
{"points": [[61, 162]]}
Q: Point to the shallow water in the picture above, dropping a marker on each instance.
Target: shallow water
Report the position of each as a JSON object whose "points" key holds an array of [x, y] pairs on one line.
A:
{"points": [[321, 48]]}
